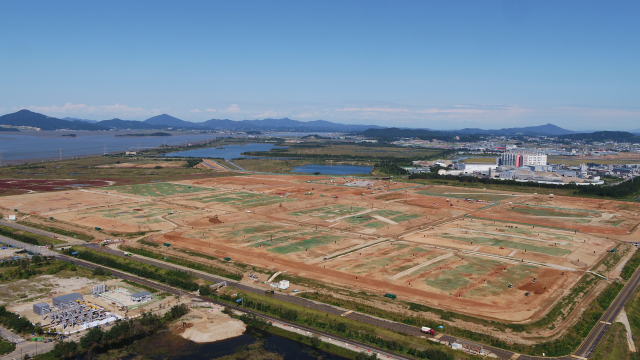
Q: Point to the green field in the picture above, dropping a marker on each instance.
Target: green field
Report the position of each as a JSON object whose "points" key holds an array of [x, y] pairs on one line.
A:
{"points": [[302, 245], [367, 220], [390, 259], [242, 200], [512, 244], [474, 270], [545, 212], [138, 213], [156, 189], [462, 194]]}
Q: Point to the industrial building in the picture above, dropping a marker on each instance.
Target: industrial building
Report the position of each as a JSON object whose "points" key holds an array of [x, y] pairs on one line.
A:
{"points": [[41, 308], [521, 158], [141, 296], [468, 168], [66, 299]]}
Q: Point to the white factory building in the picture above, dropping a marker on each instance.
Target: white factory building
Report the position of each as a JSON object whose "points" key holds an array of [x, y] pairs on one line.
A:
{"points": [[468, 168], [519, 158]]}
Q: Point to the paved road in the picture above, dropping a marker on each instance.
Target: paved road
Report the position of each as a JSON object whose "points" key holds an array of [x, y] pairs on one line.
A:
{"points": [[40, 232]]}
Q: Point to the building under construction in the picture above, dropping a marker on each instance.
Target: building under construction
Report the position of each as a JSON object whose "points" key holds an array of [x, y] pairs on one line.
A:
{"points": [[71, 310]]}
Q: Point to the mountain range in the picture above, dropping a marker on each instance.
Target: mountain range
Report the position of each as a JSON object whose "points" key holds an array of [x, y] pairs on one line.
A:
{"points": [[168, 122]]}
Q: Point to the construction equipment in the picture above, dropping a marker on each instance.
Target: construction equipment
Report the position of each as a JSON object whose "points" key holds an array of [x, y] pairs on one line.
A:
{"points": [[390, 296]]}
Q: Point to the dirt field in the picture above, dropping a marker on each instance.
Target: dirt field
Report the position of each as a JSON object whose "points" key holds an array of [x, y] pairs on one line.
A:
{"points": [[453, 248], [592, 216]]}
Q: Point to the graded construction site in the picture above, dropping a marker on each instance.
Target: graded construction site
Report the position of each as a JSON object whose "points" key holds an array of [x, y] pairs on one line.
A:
{"points": [[485, 253]]}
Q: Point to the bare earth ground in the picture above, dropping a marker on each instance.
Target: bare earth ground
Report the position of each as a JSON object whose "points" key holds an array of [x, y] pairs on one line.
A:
{"points": [[205, 325], [451, 248]]}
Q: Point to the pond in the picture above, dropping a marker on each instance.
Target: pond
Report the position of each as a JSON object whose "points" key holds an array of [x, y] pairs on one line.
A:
{"points": [[226, 152], [173, 347], [333, 169]]}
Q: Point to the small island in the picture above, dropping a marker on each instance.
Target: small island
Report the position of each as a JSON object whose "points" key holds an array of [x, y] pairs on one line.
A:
{"points": [[142, 135], [69, 135]]}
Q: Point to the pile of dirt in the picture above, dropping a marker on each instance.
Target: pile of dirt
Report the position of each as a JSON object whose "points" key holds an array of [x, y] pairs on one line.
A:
{"points": [[215, 220]]}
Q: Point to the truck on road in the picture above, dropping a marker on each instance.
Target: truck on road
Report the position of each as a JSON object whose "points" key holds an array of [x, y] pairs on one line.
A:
{"points": [[427, 330]]}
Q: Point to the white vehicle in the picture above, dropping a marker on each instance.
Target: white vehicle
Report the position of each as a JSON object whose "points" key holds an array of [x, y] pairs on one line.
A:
{"points": [[427, 330]]}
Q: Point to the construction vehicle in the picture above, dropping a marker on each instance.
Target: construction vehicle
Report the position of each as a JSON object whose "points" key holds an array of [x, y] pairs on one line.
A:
{"points": [[127, 254], [501, 248], [427, 330]]}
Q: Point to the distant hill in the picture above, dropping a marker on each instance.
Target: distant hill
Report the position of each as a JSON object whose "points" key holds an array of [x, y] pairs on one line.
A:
{"points": [[169, 120], [548, 129], [604, 136], [30, 118], [9, 129], [285, 124]]}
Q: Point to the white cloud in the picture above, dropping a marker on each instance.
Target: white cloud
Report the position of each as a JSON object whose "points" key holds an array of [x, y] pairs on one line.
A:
{"points": [[268, 114], [195, 111], [106, 110], [211, 110], [234, 108]]}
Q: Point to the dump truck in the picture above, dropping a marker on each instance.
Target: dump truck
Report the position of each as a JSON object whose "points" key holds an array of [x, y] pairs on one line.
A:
{"points": [[427, 330]]}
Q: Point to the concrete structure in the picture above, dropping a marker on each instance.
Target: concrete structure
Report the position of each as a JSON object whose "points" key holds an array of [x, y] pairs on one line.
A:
{"points": [[523, 158], [141, 296], [417, 170], [475, 167], [282, 284], [66, 299], [41, 308], [97, 290]]}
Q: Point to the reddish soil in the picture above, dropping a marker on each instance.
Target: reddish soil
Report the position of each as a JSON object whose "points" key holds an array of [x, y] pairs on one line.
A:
{"points": [[263, 259], [24, 186]]}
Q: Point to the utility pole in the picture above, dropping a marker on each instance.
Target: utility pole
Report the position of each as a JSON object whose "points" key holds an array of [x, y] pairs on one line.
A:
{"points": [[60, 154]]}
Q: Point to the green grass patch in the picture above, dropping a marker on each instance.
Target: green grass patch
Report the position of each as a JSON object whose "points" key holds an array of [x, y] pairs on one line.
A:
{"points": [[516, 245], [613, 345], [631, 266], [182, 262], [545, 212], [156, 189], [302, 245], [77, 235], [27, 237], [6, 347]]}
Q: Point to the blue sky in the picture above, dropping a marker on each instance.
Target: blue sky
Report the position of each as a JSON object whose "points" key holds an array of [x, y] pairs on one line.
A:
{"points": [[441, 65]]}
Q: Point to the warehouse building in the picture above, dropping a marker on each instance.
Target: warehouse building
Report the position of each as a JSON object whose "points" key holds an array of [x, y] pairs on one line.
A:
{"points": [[66, 299]]}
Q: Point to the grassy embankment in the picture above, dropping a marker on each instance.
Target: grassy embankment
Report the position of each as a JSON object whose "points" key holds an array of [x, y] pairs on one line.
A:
{"points": [[28, 237], [56, 230]]}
